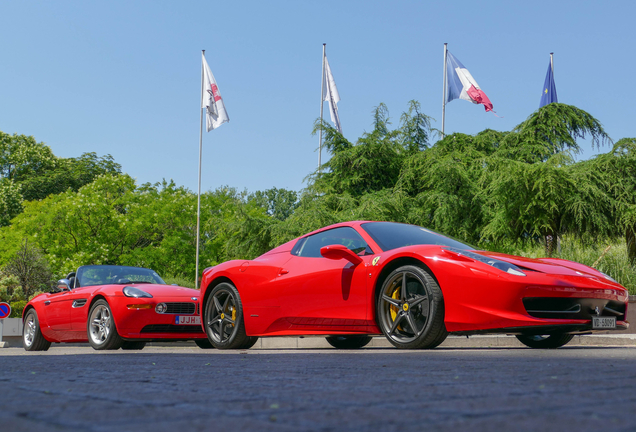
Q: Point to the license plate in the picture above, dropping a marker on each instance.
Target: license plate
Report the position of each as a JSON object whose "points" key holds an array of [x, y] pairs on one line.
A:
{"points": [[603, 322], [187, 320]]}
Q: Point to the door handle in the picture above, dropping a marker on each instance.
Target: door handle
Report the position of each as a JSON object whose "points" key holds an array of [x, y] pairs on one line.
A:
{"points": [[48, 302], [283, 272]]}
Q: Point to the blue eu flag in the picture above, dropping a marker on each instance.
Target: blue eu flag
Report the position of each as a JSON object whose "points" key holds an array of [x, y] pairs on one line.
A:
{"points": [[549, 94]]}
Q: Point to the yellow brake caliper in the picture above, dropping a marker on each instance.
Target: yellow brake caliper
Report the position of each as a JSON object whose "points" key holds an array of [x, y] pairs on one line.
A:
{"points": [[394, 309]]}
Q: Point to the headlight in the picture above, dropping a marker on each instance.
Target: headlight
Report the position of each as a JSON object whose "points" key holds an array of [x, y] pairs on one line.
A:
{"points": [[499, 264], [608, 277], [135, 292]]}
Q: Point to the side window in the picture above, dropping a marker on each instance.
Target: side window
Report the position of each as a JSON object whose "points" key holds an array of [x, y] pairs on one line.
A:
{"points": [[310, 246]]}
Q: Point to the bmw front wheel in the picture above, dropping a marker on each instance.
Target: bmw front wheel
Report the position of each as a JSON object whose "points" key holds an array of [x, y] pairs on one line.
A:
{"points": [[102, 333]]}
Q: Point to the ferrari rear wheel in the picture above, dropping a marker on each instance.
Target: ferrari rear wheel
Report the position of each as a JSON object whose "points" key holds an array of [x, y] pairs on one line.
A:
{"points": [[349, 341], [102, 333], [203, 343], [224, 319], [32, 338], [545, 341], [410, 309], [133, 345]]}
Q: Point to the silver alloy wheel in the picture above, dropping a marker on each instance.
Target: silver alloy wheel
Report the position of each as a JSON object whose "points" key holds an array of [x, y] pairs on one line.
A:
{"points": [[29, 330], [100, 321]]}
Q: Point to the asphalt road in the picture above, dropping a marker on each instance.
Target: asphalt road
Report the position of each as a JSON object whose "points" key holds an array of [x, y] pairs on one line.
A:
{"points": [[182, 389]]}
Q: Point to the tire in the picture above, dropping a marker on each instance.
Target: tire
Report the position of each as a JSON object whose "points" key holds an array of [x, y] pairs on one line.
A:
{"points": [[224, 318], [100, 327], [32, 338], [545, 341], [203, 343], [249, 343], [133, 345], [349, 342], [410, 309]]}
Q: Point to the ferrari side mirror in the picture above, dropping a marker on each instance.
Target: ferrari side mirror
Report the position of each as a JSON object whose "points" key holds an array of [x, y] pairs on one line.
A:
{"points": [[336, 252]]}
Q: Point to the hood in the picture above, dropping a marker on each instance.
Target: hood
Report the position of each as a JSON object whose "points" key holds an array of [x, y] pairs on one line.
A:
{"points": [[163, 290], [553, 266]]}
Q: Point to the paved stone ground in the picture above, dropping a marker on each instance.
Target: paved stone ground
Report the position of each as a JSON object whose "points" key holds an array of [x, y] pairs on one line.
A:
{"points": [[182, 388]]}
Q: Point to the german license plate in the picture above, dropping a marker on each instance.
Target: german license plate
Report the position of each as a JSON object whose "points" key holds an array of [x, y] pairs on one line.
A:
{"points": [[187, 320], [603, 322]]}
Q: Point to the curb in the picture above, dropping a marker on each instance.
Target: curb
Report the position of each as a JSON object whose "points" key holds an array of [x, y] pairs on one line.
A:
{"points": [[488, 341]]}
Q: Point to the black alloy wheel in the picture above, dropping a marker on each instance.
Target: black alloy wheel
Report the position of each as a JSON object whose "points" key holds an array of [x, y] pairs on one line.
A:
{"points": [[223, 317], [545, 341], [349, 341], [203, 343], [32, 337], [410, 309]]}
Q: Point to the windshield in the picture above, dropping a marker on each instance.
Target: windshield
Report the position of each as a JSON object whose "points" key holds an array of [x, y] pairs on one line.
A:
{"points": [[107, 274], [391, 235]]}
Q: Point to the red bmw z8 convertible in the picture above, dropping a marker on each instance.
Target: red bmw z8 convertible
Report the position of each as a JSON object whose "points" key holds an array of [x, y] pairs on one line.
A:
{"points": [[112, 307]]}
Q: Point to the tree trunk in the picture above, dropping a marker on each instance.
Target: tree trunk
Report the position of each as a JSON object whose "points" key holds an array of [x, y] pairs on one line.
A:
{"points": [[550, 241], [630, 239]]}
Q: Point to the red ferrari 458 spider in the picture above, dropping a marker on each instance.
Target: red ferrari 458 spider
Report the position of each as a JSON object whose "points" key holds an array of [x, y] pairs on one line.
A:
{"points": [[112, 307], [356, 279]]}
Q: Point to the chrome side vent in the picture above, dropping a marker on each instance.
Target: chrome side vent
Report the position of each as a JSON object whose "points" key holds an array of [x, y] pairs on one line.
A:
{"points": [[79, 303]]}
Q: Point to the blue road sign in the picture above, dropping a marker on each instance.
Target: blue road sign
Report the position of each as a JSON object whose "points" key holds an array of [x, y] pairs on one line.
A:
{"points": [[5, 310]]}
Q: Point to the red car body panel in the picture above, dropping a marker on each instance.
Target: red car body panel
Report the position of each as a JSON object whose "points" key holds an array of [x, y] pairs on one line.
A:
{"points": [[285, 294], [61, 322]]}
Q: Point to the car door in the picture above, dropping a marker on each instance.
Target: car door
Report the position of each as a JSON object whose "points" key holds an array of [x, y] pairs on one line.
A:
{"points": [[58, 311], [317, 292], [79, 299]]}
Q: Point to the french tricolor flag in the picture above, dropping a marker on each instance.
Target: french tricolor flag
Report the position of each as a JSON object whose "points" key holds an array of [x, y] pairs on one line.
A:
{"points": [[462, 85]]}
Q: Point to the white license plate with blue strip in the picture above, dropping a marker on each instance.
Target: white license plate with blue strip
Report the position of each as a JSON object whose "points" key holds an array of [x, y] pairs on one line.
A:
{"points": [[187, 320]]}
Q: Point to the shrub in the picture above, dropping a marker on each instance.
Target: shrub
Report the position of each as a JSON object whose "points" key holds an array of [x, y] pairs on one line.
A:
{"points": [[16, 308]]}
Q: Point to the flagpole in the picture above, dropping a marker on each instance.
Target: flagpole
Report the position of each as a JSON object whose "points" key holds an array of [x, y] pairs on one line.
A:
{"points": [[552, 63], [322, 92], [444, 92], [196, 271]]}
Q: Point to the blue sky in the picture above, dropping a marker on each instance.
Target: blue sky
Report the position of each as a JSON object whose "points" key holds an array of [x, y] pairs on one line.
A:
{"points": [[123, 77]]}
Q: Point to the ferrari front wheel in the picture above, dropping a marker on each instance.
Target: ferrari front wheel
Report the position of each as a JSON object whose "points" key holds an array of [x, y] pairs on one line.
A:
{"points": [[102, 333], [32, 338], [410, 309], [545, 341], [349, 342], [224, 323]]}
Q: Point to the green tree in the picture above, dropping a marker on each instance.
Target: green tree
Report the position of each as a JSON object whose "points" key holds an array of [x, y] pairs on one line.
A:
{"points": [[615, 173], [532, 187], [31, 269], [68, 174], [279, 203], [22, 157], [10, 201]]}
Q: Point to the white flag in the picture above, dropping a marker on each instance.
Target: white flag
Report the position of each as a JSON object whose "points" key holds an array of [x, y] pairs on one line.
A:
{"points": [[330, 94], [215, 113]]}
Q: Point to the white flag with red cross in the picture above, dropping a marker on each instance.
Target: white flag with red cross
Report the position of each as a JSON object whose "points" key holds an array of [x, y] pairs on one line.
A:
{"points": [[211, 100]]}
